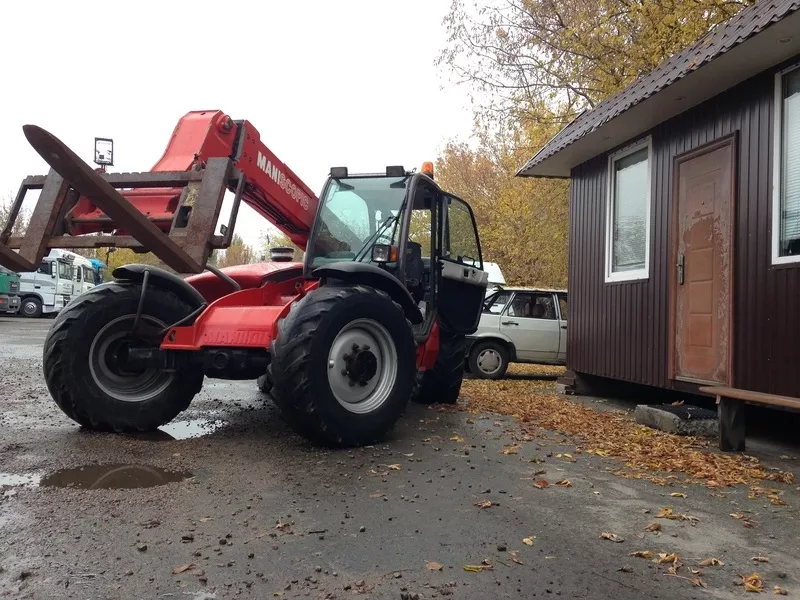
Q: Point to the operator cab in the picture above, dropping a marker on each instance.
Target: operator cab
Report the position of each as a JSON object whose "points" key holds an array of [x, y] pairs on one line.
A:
{"points": [[404, 224]]}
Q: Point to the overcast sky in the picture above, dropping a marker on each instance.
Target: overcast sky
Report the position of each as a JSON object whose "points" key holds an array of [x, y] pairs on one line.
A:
{"points": [[326, 82]]}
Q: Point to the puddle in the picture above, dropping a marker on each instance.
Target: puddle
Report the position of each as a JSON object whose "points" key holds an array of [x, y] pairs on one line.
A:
{"points": [[98, 477], [182, 430]]}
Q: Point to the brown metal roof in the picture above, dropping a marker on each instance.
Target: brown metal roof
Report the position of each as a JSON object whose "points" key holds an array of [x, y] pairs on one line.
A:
{"points": [[739, 28]]}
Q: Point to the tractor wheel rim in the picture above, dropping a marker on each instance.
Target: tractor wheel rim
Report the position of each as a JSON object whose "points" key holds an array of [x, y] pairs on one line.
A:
{"points": [[110, 377], [362, 366], [489, 361], [29, 308]]}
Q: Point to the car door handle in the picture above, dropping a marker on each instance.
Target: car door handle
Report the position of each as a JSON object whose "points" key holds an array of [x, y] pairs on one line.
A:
{"points": [[563, 327], [510, 323]]}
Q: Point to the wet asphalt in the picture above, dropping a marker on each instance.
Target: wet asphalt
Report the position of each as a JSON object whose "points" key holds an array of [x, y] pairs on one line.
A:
{"points": [[226, 502]]}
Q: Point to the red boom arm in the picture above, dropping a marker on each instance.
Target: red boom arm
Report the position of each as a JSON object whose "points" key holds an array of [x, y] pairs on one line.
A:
{"points": [[272, 189]]}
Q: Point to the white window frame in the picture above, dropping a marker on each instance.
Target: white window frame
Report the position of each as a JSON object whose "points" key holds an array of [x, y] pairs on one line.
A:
{"points": [[638, 274], [777, 130]]}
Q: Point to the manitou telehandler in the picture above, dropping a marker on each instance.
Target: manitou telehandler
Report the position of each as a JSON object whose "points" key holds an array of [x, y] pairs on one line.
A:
{"points": [[376, 314]]}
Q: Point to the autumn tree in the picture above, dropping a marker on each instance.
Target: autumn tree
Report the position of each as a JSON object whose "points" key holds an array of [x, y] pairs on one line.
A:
{"points": [[530, 67], [21, 223], [238, 253]]}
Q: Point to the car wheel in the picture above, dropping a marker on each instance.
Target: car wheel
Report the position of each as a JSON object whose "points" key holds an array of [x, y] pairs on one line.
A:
{"points": [[488, 360]]}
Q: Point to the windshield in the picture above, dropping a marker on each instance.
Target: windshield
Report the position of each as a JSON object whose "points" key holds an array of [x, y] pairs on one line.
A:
{"points": [[64, 270], [356, 214]]}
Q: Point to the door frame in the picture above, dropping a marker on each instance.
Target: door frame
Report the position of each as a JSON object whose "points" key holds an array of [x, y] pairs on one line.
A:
{"points": [[731, 140]]}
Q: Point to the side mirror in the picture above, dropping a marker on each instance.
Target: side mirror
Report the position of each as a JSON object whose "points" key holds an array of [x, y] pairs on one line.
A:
{"points": [[53, 269]]}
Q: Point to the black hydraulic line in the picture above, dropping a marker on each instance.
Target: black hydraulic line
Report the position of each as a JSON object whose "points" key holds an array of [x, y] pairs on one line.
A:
{"points": [[145, 277]]}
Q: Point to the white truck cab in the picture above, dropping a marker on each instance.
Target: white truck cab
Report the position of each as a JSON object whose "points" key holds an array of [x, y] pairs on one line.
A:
{"points": [[50, 288], [84, 274]]}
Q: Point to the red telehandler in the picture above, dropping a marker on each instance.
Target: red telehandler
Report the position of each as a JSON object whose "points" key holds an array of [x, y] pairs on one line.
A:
{"points": [[391, 281]]}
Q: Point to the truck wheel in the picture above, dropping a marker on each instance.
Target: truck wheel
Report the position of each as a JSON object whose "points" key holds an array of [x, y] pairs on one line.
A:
{"points": [[343, 365], [442, 384], [31, 307], [488, 360], [84, 360]]}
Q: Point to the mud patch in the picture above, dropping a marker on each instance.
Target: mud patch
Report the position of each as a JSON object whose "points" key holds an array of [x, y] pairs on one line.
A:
{"points": [[99, 477]]}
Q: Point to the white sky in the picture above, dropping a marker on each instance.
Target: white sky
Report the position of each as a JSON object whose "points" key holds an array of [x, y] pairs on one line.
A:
{"points": [[326, 82]]}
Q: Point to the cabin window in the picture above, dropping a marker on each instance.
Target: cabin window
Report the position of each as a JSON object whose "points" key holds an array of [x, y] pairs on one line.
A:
{"points": [[786, 179], [628, 213]]}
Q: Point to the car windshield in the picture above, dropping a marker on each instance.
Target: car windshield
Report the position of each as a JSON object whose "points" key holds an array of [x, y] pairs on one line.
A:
{"points": [[356, 214]]}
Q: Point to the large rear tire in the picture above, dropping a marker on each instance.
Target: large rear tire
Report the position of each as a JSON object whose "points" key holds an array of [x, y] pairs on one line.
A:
{"points": [[343, 365], [84, 369], [442, 383]]}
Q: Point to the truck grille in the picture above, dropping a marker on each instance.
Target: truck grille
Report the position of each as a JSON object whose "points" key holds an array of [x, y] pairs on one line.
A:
{"points": [[13, 287]]}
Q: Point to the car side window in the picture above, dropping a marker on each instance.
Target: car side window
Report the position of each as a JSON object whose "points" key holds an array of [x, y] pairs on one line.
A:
{"points": [[495, 304], [533, 306], [562, 304]]}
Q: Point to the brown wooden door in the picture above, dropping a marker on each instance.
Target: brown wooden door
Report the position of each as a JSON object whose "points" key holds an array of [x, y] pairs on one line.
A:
{"points": [[703, 256]]}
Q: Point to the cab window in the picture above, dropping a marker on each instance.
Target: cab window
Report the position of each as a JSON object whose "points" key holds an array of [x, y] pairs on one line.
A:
{"points": [[462, 240]]}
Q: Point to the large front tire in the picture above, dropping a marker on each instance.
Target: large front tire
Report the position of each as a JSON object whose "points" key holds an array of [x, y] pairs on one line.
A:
{"points": [[84, 370], [343, 365], [442, 383]]}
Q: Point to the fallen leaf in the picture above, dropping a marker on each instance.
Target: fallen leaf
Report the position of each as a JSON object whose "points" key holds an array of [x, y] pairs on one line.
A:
{"points": [[205, 519], [513, 557], [752, 583], [737, 515], [695, 571], [678, 403], [642, 554], [409, 455], [678, 495], [564, 483], [433, 566], [665, 513], [510, 449], [473, 568], [528, 541], [539, 472], [664, 558], [456, 438], [565, 455], [471, 421], [761, 559], [749, 523], [653, 527], [780, 591], [541, 484], [182, 568], [484, 504], [394, 467], [597, 452], [697, 582], [612, 537], [711, 562], [625, 569]]}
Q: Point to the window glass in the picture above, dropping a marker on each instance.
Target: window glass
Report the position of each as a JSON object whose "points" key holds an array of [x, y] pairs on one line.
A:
{"points": [[630, 195], [463, 242], [44, 268], [64, 270], [562, 304], [496, 303], [789, 242], [533, 306], [78, 274], [419, 230]]}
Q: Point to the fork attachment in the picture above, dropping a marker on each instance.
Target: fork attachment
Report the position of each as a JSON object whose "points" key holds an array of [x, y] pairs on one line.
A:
{"points": [[172, 214]]}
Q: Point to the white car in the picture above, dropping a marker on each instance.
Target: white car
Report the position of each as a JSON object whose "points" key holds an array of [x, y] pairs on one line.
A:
{"points": [[522, 325]]}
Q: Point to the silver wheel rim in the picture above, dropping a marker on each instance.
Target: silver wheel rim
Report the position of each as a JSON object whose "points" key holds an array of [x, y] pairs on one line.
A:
{"points": [[115, 382], [29, 308], [489, 361], [352, 340]]}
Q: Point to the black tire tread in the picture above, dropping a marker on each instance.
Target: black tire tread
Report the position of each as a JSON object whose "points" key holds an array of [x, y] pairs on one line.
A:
{"points": [[72, 399], [442, 384], [290, 355]]}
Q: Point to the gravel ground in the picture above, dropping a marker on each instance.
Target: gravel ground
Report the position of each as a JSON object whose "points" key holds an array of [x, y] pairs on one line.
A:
{"points": [[244, 508]]}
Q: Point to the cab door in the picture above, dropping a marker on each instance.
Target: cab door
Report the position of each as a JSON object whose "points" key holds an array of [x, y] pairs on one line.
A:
{"points": [[462, 288]]}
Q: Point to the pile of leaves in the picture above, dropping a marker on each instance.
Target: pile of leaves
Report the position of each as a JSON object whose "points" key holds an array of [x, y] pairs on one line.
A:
{"points": [[660, 457]]}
